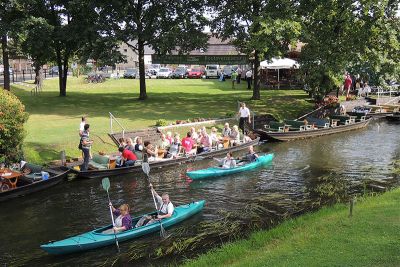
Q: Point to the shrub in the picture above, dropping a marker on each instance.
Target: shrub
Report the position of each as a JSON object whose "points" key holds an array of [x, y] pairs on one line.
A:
{"points": [[12, 119], [161, 122], [230, 114]]}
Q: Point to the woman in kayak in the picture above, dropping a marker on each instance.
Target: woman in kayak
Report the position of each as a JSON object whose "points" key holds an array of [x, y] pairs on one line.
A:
{"points": [[123, 221], [227, 162]]}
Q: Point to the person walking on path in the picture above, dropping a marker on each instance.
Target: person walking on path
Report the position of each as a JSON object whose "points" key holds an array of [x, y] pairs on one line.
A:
{"points": [[347, 85], [233, 78], [249, 75], [244, 114], [86, 144]]}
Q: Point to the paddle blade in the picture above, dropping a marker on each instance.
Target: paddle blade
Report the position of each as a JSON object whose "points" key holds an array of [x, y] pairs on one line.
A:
{"points": [[163, 233], [105, 183], [146, 168]]}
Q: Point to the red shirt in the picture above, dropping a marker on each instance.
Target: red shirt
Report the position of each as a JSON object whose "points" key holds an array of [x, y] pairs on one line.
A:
{"points": [[187, 143], [347, 82], [128, 155]]}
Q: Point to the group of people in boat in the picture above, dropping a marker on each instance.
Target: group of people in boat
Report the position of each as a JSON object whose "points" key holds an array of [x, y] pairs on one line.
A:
{"points": [[171, 146]]}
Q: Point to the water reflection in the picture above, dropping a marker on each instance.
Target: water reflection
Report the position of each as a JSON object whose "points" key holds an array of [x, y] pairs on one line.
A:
{"points": [[303, 175]]}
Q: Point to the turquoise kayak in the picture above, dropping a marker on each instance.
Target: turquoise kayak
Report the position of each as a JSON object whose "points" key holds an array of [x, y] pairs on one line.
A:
{"points": [[217, 171], [96, 239]]}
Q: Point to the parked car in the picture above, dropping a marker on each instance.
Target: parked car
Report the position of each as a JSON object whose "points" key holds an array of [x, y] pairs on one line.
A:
{"points": [[212, 71], [195, 73], [130, 74], [53, 70], [154, 68], [180, 73], [10, 70], [164, 73], [227, 70]]}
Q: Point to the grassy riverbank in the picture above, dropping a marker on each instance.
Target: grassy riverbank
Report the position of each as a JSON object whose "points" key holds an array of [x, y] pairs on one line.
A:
{"points": [[54, 121], [328, 237]]}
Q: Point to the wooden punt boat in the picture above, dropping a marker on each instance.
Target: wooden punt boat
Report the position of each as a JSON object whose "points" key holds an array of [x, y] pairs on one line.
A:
{"points": [[395, 117], [95, 239], [302, 134], [374, 115], [162, 163], [217, 171], [30, 183]]}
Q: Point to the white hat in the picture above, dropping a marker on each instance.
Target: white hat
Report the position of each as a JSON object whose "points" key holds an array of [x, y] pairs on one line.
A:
{"points": [[22, 164]]}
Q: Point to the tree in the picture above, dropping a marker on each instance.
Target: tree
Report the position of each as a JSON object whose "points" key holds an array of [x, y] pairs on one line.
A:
{"points": [[341, 34], [260, 29], [163, 25], [12, 119], [10, 12]]}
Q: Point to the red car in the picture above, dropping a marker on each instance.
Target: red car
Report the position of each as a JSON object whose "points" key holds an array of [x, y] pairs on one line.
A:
{"points": [[195, 73]]}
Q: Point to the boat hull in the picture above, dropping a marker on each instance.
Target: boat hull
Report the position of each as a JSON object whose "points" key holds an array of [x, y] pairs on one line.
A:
{"points": [[95, 239], [294, 135], [217, 172], [161, 164], [57, 175]]}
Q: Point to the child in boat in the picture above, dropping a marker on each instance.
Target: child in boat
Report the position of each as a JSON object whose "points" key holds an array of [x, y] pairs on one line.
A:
{"points": [[123, 221]]}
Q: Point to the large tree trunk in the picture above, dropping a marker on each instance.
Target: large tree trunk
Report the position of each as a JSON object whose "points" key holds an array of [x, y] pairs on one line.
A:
{"points": [[60, 73], [256, 81], [65, 76], [6, 64], [38, 74], [142, 74]]}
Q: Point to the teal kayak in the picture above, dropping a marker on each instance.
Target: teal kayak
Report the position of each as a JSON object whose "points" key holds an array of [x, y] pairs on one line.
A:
{"points": [[96, 239], [217, 171]]}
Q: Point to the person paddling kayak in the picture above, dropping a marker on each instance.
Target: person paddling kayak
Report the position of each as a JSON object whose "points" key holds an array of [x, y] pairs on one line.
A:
{"points": [[164, 206], [123, 222], [227, 162]]}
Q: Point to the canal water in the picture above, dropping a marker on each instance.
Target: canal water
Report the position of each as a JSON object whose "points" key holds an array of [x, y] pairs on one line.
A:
{"points": [[304, 175]]}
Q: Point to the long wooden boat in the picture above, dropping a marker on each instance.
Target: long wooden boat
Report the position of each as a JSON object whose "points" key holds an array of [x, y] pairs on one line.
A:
{"points": [[96, 238], [217, 171], [394, 117], [31, 183], [375, 115], [294, 135], [162, 162]]}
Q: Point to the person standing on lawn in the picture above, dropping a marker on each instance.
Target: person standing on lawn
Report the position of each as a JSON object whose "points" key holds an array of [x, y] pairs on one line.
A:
{"points": [[233, 78], [249, 75], [86, 144]]}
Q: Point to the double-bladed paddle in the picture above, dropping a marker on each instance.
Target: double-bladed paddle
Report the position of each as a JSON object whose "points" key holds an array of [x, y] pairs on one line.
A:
{"points": [[106, 185], [146, 170]]}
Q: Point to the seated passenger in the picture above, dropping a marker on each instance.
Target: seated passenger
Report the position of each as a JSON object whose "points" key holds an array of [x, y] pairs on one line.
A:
{"points": [[123, 221], [129, 144], [235, 136], [139, 144], [188, 144], [169, 137], [175, 147], [121, 142], [227, 162], [251, 155], [150, 150], [165, 209], [214, 137], [163, 143], [128, 158], [193, 134], [205, 142], [226, 132]]}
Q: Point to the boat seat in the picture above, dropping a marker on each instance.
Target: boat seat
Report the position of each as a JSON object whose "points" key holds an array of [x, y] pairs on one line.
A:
{"points": [[296, 125], [100, 162], [276, 126], [320, 123]]}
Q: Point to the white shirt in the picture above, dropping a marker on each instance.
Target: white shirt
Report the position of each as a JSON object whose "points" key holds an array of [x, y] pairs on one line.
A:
{"points": [[249, 74], [165, 208], [82, 126], [244, 112]]}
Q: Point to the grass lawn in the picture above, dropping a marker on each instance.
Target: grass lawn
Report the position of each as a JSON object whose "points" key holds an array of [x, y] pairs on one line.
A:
{"points": [[54, 121], [328, 237]]}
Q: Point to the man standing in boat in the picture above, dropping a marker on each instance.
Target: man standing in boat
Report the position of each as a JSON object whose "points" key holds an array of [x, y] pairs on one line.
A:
{"points": [[244, 114], [86, 144]]}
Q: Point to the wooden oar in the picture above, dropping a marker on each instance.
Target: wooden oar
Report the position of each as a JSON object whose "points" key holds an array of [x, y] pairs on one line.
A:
{"points": [[146, 170], [106, 185]]}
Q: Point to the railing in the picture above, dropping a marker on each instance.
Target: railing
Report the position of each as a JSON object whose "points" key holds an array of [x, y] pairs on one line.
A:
{"points": [[112, 118]]}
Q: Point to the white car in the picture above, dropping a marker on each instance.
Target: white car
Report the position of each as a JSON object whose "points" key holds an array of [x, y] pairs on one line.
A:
{"points": [[212, 71], [164, 73]]}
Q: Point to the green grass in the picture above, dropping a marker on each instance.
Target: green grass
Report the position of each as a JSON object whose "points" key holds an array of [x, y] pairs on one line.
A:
{"points": [[54, 121], [328, 237]]}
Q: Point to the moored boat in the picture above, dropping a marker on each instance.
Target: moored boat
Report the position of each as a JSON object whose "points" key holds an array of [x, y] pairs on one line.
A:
{"points": [[395, 117], [98, 173], [15, 184], [95, 239], [288, 134], [217, 171]]}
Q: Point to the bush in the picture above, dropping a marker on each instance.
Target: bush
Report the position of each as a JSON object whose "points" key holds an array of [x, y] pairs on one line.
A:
{"points": [[12, 119], [161, 122]]}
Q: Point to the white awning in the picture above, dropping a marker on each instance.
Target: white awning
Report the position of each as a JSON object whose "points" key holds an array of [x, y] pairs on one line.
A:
{"points": [[279, 63]]}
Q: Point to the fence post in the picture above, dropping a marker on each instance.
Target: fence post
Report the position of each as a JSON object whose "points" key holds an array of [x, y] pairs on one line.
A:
{"points": [[23, 75], [63, 160], [31, 73]]}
